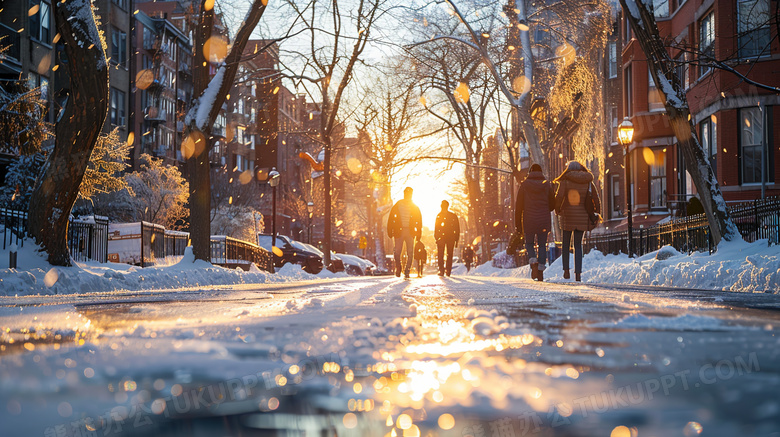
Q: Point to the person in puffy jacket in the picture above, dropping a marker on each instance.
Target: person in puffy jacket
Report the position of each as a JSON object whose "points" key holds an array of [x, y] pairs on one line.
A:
{"points": [[404, 226], [575, 187], [535, 200]]}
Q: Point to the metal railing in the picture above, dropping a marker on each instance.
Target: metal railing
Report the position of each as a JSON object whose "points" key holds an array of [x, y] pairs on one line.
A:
{"points": [[229, 251], [152, 243], [176, 242], [87, 236], [755, 220], [14, 226], [88, 239]]}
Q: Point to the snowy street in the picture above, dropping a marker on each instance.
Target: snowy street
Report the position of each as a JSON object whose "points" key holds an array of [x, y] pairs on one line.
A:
{"points": [[381, 356]]}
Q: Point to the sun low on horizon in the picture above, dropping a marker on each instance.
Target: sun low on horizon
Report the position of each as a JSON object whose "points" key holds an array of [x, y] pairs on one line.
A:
{"points": [[430, 188]]}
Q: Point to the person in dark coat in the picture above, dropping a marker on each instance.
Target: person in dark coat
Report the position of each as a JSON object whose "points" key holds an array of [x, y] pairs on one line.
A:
{"points": [[535, 200], [421, 256], [404, 225], [575, 185], [468, 256], [446, 233]]}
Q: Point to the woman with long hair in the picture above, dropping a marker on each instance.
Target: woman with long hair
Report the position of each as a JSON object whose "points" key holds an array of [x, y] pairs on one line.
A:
{"points": [[576, 199]]}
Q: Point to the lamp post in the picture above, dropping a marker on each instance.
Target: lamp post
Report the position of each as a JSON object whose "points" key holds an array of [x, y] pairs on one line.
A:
{"points": [[310, 208], [626, 137], [273, 180]]}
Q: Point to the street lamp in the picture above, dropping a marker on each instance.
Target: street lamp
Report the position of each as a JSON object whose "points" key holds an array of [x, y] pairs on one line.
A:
{"points": [[310, 208], [273, 180], [626, 137]]}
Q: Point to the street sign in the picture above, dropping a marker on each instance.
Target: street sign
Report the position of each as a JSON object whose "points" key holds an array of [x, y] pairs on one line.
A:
{"points": [[363, 243]]}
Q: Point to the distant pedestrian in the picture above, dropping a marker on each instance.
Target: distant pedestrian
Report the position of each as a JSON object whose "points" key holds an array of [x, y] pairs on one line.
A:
{"points": [[446, 233], [576, 200], [535, 200], [404, 225], [468, 256], [421, 256]]}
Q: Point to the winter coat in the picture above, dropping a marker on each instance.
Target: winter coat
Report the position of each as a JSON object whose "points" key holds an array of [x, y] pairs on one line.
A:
{"points": [[447, 227], [570, 200], [394, 226], [420, 253], [535, 200], [467, 254]]}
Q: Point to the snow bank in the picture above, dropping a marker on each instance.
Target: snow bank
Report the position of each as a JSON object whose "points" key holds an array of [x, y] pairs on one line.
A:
{"points": [[736, 266], [36, 276]]}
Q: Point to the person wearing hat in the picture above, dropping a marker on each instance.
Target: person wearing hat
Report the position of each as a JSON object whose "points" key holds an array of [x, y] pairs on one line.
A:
{"points": [[535, 200]]}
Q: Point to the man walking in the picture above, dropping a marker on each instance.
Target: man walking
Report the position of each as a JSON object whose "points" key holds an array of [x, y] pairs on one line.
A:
{"points": [[404, 225], [446, 234]]}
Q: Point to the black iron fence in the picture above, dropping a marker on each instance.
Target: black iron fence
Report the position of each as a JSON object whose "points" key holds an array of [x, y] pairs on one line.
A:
{"points": [[755, 220], [88, 239], [14, 226], [87, 236], [231, 252], [152, 243], [176, 242]]}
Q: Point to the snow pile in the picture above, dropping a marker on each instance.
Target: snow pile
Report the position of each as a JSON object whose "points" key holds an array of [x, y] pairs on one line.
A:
{"points": [[736, 266], [36, 276]]}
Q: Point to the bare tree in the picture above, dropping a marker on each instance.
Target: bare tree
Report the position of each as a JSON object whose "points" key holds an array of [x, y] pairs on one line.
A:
{"points": [[77, 130], [211, 93], [459, 91], [642, 20], [389, 120], [332, 67]]}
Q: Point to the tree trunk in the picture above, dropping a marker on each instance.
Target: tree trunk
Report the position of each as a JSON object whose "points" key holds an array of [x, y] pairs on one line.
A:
{"points": [[211, 94], [76, 132], [668, 84]]}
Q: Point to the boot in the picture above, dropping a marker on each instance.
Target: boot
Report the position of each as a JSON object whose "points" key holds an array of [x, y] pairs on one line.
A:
{"points": [[540, 274], [577, 277], [534, 268], [566, 274]]}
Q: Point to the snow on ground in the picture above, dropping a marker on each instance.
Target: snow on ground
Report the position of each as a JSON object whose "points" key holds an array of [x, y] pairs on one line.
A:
{"points": [[35, 275], [736, 266]]}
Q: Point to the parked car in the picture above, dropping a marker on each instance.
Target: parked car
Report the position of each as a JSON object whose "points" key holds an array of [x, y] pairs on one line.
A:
{"points": [[357, 266], [335, 266], [295, 252]]}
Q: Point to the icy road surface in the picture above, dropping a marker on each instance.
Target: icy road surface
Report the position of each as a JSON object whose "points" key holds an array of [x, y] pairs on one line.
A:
{"points": [[456, 356]]}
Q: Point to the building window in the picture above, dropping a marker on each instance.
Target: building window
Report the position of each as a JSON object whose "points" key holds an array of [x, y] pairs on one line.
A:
{"points": [[118, 46], [615, 197], [613, 118], [613, 61], [753, 27], [706, 43], [655, 101], [708, 143], [629, 87], [752, 145], [658, 180], [117, 108], [121, 3], [40, 22], [661, 8], [681, 69]]}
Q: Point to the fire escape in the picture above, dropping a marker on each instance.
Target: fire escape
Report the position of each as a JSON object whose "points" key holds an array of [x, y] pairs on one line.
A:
{"points": [[154, 114]]}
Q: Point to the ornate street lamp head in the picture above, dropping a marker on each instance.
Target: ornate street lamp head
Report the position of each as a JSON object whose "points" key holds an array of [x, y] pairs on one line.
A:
{"points": [[273, 177], [626, 132]]}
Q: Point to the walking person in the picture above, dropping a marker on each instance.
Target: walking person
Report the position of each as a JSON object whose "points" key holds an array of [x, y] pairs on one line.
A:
{"points": [[404, 225], [576, 200], [535, 200], [468, 256], [446, 233], [421, 256]]}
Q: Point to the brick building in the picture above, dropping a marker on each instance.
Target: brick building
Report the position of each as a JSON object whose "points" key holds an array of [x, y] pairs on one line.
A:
{"points": [[737, 122]]}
